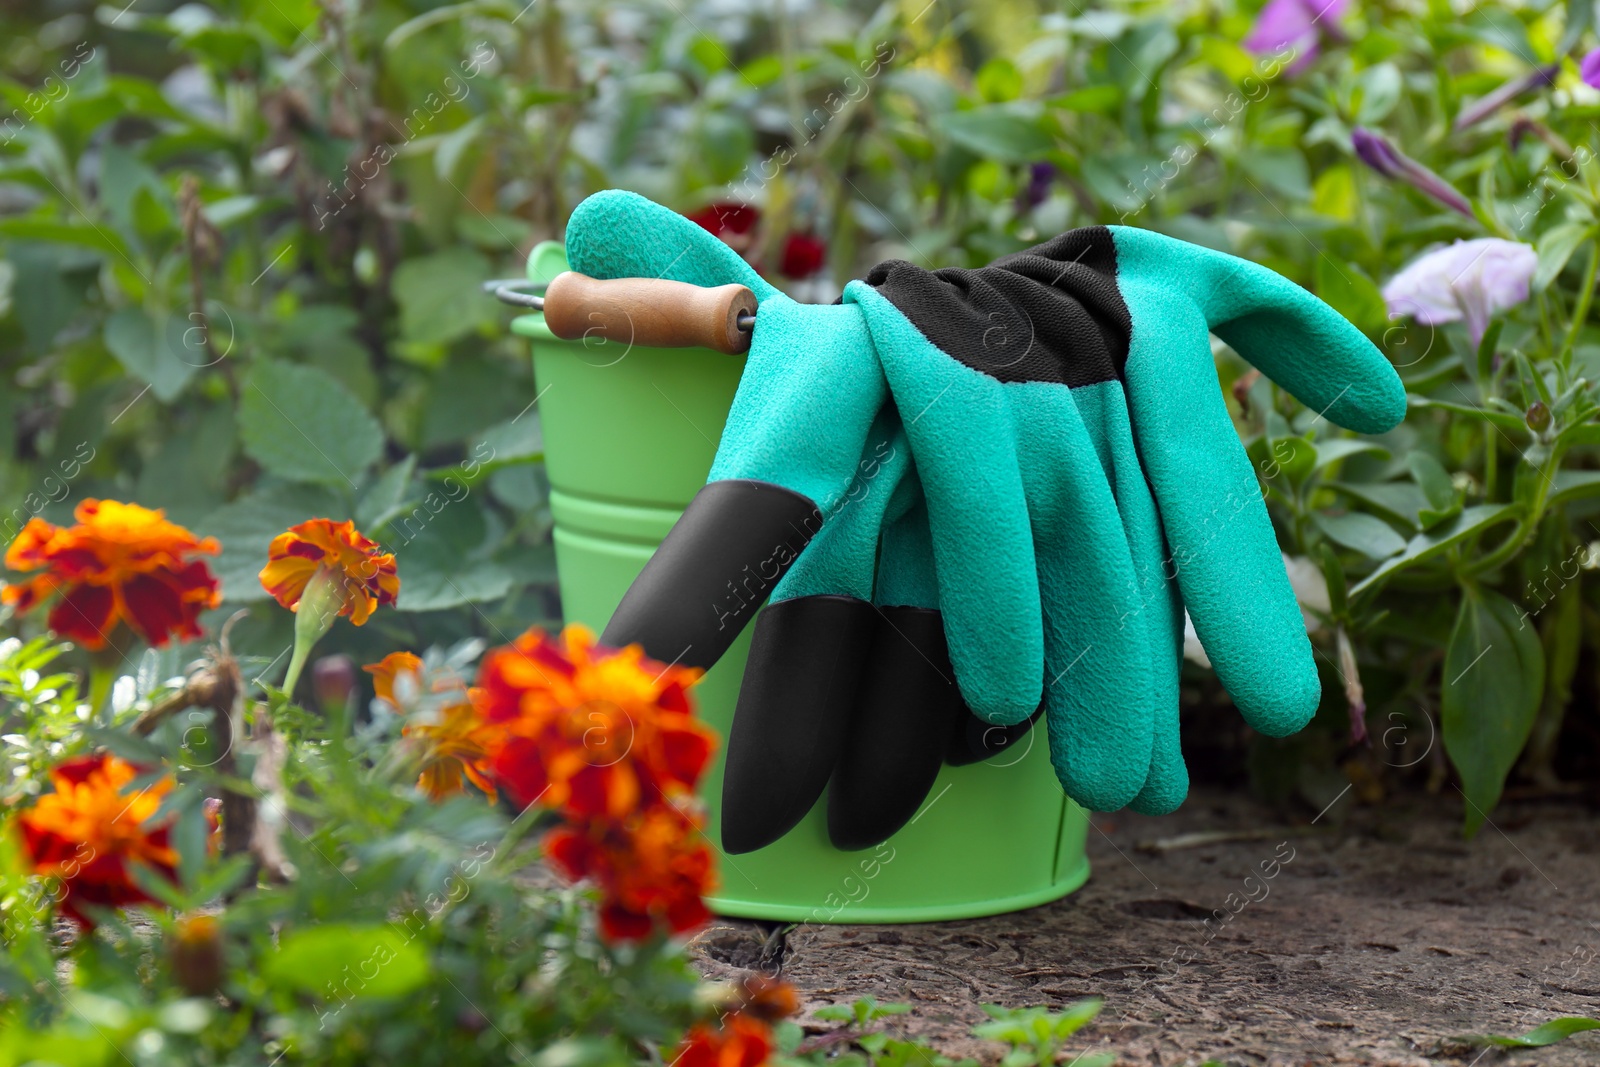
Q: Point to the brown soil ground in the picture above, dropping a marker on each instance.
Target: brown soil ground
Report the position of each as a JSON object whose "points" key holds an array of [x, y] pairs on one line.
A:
{"points": [[1382, 939]]}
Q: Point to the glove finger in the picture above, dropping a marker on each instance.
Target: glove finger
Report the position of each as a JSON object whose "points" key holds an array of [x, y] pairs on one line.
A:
{"points": [[1223, 550], [807, 656], [790, 449], [982, 542], [1099, 689], [617, 234], [1294, 338], [789, 726], [908, 699], [1104, 410], [904, 710]]}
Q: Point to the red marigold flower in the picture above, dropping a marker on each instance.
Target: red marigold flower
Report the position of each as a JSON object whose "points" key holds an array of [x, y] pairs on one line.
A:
{"points": [[726, 218], [739, 1042], [455, 741], [91, 831], [591, 731], [652, 870], [120, 563], [364, 576], [803, 255]]}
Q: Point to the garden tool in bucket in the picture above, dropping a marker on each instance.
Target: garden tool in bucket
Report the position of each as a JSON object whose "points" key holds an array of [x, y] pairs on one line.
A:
{"points": [[635, 378]]}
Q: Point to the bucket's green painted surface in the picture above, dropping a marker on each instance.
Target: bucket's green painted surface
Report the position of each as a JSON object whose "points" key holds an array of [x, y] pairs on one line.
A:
{"points": [[629, 438]]}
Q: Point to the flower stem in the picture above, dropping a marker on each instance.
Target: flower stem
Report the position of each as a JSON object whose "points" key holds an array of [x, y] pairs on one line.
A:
{"points": [[1585, 295], [313, 617], [297, 663]]}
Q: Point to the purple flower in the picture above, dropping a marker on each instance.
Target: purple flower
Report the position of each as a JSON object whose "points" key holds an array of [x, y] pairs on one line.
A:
{"points": [[1377, 152], [1468, 281], [1037, 191], [1589, 69], [1297, 26]]}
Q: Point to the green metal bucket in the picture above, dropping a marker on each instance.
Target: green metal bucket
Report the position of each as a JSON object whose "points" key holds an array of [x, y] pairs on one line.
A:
{"points": [[629, 438]]}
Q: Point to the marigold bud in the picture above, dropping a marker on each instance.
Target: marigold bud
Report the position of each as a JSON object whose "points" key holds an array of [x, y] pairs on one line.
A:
{"points": [[333, 679], [196, 953]]}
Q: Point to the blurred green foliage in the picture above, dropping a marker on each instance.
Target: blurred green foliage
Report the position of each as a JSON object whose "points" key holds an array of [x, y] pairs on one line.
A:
{"points": [[242, 242]]}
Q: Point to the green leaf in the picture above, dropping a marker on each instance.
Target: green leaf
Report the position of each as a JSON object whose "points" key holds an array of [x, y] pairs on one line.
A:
{"points": [[247, 526], [1504, 420], [1425, 546], [1348, 290], [82, 235], [1333, 574], [302, 424], [440, 296], [155, 351], [1546, 1034], [1580, 16], [1493, 682], [1089, 98], [383, 500], [506, 444], [451, 146], [1282, 452], [1555, 247], [1401, 501], [1337, 448], [340, 961], [1488, 346], [708, 53], [1007, 133], [1377, 92], [1572, 485], [1367, 534], [1432, 478], [998, 81], [1280, 170], [1334, 194], [434, 546], [726, 142]]}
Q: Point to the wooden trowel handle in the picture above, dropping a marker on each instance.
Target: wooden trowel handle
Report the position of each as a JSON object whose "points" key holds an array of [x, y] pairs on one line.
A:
{"points": [[652, 312]]}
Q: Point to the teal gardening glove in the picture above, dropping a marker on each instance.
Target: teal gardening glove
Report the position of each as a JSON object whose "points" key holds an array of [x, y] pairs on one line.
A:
{"points": [[1047, 537], [1063, 409], [810, 437]]}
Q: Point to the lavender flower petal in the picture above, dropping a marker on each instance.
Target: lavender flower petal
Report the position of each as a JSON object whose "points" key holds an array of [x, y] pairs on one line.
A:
{"points": [[1281, 22], [1298, 25], [1467, 281]]}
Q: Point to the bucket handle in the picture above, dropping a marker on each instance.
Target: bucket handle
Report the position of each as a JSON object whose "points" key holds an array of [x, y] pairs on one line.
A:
{"points": [[653, 312]]}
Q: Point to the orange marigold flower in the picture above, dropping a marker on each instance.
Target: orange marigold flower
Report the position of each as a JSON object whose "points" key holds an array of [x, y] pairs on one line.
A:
{"points": [[121, 562], [652, 869], [455, 740], [455, 745], [364, 576], [386, 670], [767, 999], [592, 731], [739, 1042], [92, 830]]}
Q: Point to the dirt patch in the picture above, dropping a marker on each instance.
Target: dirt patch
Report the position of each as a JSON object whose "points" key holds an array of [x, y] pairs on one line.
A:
{"points": [[1374, 942]]}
